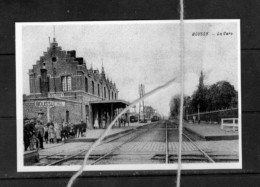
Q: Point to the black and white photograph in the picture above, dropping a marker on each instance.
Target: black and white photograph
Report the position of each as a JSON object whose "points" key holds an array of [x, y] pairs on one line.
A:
{"points": [[74, 78]]}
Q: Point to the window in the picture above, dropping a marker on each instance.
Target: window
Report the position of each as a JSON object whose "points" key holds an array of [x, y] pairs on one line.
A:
{"points": [[66, 83], [40, 80], [86, 84], [108, 92], [93, 88], [105, 94], [98, 90], [48, 84], [67, 116], [87, 110], [112, 95], [44, 86]]}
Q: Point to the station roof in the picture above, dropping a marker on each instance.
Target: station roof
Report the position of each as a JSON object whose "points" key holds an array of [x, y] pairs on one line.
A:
{"points": [[117, 103]]}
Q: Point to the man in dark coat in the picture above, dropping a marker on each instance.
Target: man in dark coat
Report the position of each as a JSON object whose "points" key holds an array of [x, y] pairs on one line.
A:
{"points": [[83, 127], [39, 133], [27, 133]]}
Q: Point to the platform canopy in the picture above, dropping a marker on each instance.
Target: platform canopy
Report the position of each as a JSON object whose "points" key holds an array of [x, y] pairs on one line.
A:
{"points": [[116, 103], [105, 110]]}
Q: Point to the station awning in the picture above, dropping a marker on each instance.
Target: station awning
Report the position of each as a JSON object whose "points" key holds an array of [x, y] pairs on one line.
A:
{"points": [[116, 103]]}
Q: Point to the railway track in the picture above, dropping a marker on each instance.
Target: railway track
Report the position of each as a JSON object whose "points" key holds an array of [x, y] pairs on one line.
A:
{"points": [[199, 149], [173, 157], [197, 155], [168, 157], [97, 158], [119, 146]]}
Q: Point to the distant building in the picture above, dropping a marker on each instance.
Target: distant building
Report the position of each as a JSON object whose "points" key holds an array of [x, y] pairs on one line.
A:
{"points": [[71, 90]]}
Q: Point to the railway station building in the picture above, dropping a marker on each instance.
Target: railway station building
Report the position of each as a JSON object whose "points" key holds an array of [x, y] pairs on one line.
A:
{"points": [[62, 88]]}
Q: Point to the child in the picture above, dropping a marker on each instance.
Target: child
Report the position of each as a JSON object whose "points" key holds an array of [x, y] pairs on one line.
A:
{"points": [[34, 141]]}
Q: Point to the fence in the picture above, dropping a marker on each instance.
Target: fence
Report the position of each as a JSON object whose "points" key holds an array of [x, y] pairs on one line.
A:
{"points": [[229, 122], [214, 116]]}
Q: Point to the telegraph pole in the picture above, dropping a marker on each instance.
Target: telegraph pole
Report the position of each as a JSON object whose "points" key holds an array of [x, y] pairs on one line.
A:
{"points": [[141, 94], [143, 103]]}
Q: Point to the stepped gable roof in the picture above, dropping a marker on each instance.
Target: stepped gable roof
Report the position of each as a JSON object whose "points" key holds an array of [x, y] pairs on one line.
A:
{"points": [[54, 51]]}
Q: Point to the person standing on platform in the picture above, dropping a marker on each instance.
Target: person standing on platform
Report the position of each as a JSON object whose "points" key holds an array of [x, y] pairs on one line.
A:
{"points": [[126, 119], [29, 130], [194, 119], [104, 122], [87, 125], [46, 134], [82, 126], [57, 132], [34, 141], [51, 134], [72, 131], [96, 126], [39, 133]]}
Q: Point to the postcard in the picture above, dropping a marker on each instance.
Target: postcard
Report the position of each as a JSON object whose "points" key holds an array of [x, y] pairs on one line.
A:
{"points": [[74, 78]]}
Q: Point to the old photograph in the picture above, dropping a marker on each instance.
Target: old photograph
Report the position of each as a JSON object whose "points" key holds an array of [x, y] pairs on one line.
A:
{"points": [[74, 78]]}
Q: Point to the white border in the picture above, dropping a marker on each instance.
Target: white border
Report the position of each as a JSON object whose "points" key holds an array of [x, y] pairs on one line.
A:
{"points": [[128, 167]]}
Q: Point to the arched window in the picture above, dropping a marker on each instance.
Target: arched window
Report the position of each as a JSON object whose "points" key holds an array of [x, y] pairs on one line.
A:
{"points": [[112, 95], [108, 92], [105, 94], [66, 83], [86, 84], [93, 88], [115, 96], [98, 90]]}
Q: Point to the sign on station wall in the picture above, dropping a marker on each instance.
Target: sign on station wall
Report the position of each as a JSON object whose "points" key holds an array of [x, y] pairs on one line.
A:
{"points": [[50, 103]]}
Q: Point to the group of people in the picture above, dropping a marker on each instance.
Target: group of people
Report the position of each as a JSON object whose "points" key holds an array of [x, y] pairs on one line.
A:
{"points": [[36, 132], [33, 134], [121, 122], [194, 119]]}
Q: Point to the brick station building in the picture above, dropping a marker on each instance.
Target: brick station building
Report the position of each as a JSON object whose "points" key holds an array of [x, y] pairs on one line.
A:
{"points": [[62, 81]]}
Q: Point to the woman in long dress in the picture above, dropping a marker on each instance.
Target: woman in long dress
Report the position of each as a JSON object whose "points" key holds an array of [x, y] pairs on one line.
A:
{"points": [[96, 124], [51, 134], [57, 132]]}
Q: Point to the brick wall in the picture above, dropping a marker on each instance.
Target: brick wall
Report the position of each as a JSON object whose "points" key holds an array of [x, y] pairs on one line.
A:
{"points": [[76, 111], [31, 111]]}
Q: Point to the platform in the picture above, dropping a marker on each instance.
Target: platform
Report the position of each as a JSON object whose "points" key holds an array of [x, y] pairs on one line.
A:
{"points": [[211, 131], [31, 157], [92, 135]]}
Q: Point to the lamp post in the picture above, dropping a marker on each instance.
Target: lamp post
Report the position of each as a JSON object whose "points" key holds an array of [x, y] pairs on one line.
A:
{"points": [[198, 113]]}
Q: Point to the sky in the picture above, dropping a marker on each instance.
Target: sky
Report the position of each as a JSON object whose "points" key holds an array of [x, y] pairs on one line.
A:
{"points": [[141, 52]]}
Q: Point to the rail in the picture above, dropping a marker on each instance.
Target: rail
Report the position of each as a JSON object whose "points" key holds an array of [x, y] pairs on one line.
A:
{"points": [[203, 152]]}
